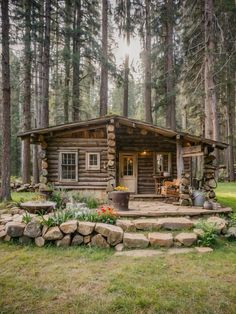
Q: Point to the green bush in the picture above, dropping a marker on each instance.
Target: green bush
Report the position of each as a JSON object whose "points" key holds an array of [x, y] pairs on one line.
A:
{"points": [[26, 218], [209, 236], [90, 201]]}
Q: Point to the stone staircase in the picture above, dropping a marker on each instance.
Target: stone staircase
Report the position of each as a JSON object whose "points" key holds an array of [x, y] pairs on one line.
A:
{"points": [[164, 232]]}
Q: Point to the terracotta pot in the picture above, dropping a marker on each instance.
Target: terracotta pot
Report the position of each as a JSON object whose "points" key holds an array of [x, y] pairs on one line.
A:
{"points": [[119, 200]]}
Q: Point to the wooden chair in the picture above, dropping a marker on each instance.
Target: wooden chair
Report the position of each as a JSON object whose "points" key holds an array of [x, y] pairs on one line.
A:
{"points": [[170, 188]]}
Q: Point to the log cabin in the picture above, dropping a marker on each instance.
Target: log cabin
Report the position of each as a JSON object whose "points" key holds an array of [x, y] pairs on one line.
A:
{"points": [[101, 153]]}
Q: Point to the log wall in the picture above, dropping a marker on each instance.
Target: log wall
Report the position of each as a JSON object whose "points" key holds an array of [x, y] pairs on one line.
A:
{"points": [[82, 143]]}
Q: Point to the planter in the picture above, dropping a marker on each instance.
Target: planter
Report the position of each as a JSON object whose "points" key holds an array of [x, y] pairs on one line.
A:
{"points": [[119, 200]]}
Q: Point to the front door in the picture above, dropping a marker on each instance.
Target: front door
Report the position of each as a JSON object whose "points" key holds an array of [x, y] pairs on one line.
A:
{"points": [[128, 171]]}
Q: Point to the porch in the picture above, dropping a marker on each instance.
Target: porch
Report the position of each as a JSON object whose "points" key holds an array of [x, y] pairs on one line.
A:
{"points": [[158, 208]]}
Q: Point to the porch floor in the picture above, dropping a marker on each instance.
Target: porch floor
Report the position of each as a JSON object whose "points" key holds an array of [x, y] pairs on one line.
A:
{"points": [[161, 209]]}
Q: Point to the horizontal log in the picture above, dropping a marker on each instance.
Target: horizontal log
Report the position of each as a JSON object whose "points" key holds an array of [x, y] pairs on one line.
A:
{"points": [[44, 172], [111, 143], [44, 164], [42, 153], [111, 136]]}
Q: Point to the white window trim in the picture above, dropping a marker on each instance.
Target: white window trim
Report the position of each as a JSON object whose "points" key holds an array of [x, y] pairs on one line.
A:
{"points": [[169, 161], [76, 165], [92, 167]]}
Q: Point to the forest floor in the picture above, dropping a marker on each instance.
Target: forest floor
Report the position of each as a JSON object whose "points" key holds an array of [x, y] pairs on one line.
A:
{"points": [[89, 280]]}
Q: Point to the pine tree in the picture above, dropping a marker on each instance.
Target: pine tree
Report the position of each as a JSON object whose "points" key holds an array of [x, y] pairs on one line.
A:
{"points": [[6, 105]]}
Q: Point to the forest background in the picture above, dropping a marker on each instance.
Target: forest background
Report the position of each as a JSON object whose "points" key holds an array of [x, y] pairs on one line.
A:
{"points": [[168, 62]]}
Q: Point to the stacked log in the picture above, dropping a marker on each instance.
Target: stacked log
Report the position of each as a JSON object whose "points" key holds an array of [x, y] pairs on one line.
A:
{"points": [[209, 181], [184, 190], [111, 156], [44, 164]]}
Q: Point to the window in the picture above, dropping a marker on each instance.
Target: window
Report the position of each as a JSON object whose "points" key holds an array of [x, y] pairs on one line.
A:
{"points": [[93, 161], [163, 163], [128, 166], [68, 166]]}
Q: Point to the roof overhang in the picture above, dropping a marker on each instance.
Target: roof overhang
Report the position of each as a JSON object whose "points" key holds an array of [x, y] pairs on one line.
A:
{"points": [[93, 123]]}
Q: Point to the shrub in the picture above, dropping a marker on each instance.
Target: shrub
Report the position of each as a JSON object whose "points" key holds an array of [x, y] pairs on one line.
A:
{"points": [[26, 218], [60, 198], [90, 201], [208, 238], [232, 219]]}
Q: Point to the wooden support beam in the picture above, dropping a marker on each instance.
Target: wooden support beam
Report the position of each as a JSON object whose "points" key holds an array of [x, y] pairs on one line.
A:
{"points": [[179, 158]]}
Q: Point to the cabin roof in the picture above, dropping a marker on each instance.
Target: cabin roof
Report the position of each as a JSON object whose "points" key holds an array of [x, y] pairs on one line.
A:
{"points": [[123, 121]]}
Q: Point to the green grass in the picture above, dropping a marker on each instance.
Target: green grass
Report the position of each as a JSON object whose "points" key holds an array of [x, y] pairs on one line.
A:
{"points": [[87, 280], [83, 280], [226, 194]]}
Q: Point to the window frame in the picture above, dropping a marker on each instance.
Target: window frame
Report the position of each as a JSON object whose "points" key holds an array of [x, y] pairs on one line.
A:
{"points": [[60, 165], [92, 167], [169, 163]]}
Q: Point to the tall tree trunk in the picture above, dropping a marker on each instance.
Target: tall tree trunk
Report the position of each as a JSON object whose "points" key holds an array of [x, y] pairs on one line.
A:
{"points": [[67, 59], [148, 74], [104, 70], [46, 57], [40, 64], [230, 123], [76, 62], [6, 106], [126, 76], [211, 118], [27, 93], [169, 68], [36, 117]]}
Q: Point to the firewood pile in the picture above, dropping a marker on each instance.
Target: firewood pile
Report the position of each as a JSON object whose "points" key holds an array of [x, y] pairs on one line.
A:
{"points": [[19, 187], [184, 190], [209, 183]]}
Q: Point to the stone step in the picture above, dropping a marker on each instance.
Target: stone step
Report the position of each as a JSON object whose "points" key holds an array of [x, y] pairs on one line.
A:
{"points": [[171, 251], [158, 239], [169, 223], [132, 213]]}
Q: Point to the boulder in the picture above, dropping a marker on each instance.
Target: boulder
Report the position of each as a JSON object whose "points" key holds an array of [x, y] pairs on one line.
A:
{"points": [[203, 249], [175, 223], [17, 217], [147, 224], [119, 247], [2, 227], [77, 239], [3, 233], [39, 241], [231, 232], [135, 240], [7, 238], [114, 234], [53, 233], [25, 240], [99, 241], [126, 225], [160, 239], [219, 223], [85, 227], [32, 230], [15, 229], [64, 242], [44, 230], [187, 239], [5, 218], [87, 239], [69, 226], [199, 232]]}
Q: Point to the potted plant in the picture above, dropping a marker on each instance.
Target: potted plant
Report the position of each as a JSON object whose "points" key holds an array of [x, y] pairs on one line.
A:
{"points": [[119, 198]]}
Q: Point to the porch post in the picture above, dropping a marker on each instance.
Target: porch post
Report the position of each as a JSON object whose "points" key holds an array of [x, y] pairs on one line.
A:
{"points": [[111, 155], [179, 157]]}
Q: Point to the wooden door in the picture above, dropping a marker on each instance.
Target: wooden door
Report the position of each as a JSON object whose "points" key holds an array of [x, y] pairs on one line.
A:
{"points": [[128, 171]]}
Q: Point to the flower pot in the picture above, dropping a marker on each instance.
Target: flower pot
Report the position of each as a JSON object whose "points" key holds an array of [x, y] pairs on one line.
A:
{"points": [[119, 200]]}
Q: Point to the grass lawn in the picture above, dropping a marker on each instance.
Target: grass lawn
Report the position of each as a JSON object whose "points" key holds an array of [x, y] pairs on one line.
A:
{"points": [[226, 194], [83, 280]]}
